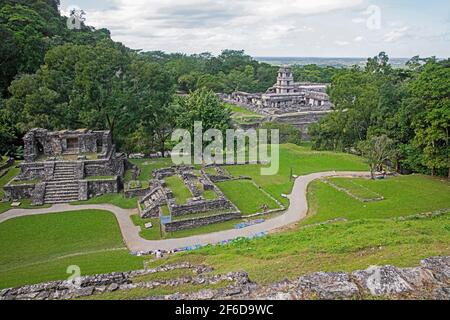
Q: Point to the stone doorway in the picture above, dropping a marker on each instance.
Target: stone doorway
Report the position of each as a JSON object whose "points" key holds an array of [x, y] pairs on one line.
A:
{"points": [[72, 145]]}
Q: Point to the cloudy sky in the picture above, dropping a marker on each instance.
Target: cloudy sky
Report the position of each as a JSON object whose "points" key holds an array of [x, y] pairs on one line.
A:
{"points": [[300, 28]]}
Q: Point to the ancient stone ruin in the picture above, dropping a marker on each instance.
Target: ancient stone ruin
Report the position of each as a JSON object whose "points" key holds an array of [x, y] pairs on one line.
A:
{"points": [[296, 103], [429, 281], [205, 211], [67, 166]]}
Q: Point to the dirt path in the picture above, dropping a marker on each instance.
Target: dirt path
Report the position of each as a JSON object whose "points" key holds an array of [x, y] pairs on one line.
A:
{"points": [[296, 212]]}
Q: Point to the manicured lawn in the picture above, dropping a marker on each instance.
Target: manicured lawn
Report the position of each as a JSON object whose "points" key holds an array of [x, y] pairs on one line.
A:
{"points": [[355, 188], [179, 189], [40, 248], [147, 166], [406, 195], [209, 195], [303, 161], [149, 234], [239, 111], [25, 204], [335, 247], [116, 199], [246, 196]]}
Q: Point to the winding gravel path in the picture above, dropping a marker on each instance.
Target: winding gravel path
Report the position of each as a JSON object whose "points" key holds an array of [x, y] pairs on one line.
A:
{"points": [[297, 211]]}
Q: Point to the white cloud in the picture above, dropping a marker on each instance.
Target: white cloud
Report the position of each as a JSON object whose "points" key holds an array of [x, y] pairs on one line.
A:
{"points": [[342, 43], [358, 39], [211, 25], [395, 34]]}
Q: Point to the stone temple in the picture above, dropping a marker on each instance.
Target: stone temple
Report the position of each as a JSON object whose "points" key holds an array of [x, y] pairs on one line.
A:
{"points": [[67, 166], [296, 103]]}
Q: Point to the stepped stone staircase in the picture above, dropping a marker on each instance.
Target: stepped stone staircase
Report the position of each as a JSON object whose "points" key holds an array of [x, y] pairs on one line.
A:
{"points": [[152, 202], [64, 187]]}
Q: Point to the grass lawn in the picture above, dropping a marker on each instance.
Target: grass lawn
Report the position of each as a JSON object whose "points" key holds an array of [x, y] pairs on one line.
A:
{"points": [[354, 187], [240, 111], [116, 199], [406, 195], [209, 195], [303, 161], [40, 248], [25, 204], [335, 247], [147, 166], [246, 196], [179, 189], [148, 234]]}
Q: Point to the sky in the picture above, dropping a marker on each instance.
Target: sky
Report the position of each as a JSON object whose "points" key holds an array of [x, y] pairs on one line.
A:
{"points": [[279, 28]]}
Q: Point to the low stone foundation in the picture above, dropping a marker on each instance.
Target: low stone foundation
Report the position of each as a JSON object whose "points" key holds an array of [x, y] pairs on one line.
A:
{"points": [[18, 192], [429, 281], [199, 222], [101, 187], [200, 206]]}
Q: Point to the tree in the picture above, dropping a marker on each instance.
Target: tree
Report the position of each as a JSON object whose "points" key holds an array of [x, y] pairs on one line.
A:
{"points": [[203, 105], [288, 133], [377, 150], [430, 93]]}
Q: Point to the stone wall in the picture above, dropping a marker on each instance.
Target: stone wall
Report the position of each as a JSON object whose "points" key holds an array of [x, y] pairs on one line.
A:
{"points": [[194, 223], [300, 120], [200, 206], [101, 187], [30, 171], [38, 194], [18, 192], [429, 281], [133, 193]]}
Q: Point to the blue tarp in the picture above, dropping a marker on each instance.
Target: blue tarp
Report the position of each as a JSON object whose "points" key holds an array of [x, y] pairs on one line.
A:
{"points": [[166, 219]]}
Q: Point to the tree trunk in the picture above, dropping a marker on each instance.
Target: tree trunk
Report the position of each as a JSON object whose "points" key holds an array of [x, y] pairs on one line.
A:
{"points": [[372, 172], [162, 148]]}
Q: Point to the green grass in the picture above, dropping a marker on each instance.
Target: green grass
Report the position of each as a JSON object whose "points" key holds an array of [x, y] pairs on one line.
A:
{"points": [[115, 199], [179, 189], [95, 178], [148, 234], [22, 182], [406, 195], [25, 204], [147, 166], [240, 111], [246, 196], [40, 248], [303, 161], [335, 247], [354, 187], [209, 195], [158, 291]]}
